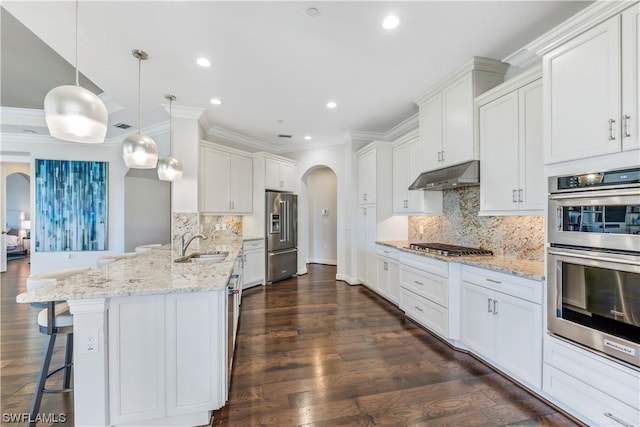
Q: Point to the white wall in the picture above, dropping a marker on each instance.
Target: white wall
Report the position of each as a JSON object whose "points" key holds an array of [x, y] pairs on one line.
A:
{"points": [[323, 233]]}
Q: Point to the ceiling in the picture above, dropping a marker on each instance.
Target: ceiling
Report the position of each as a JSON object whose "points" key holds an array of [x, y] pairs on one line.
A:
{"points": [[273, 65]]}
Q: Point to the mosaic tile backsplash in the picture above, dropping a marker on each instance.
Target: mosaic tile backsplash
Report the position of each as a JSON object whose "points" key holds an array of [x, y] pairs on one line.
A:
{"points": [[512, 236], [220, 229]]}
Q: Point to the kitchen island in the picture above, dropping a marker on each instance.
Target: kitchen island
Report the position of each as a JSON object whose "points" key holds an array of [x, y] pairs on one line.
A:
{"points": [[150, 338]]}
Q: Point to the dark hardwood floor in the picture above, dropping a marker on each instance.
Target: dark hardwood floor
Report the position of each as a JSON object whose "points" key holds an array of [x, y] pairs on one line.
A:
{"points": [[310, 351]]}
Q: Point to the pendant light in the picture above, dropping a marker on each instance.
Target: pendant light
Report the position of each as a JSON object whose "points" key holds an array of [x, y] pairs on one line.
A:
{"points": [[139, 151], [169, 168], [74, 113]]}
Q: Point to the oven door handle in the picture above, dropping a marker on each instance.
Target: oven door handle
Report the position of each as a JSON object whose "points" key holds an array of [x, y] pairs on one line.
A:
{"points": [[596, 193], [591, 257]]}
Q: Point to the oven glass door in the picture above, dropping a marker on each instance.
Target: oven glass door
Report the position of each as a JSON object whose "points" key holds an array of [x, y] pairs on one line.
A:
{"points": [[598, 220], [594, 299]]}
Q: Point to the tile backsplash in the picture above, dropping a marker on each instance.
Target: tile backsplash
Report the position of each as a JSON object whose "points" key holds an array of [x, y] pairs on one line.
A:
{"points": [[512, 236], [221, 229]]}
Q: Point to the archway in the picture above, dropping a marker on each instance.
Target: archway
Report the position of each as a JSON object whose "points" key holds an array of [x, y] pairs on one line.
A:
{"points": [[15, 208], [318, 216]]}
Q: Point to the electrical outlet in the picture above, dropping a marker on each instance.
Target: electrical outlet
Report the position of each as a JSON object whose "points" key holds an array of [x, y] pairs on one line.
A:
{"points": [[90, 342], [421, 229]]}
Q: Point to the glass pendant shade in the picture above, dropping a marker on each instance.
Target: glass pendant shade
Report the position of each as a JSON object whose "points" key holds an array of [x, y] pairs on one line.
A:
{"points": [[76, 114], [139, 152], [169, 168]]}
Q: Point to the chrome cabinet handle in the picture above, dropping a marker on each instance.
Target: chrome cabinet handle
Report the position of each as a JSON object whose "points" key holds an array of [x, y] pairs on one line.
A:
{"points": [[616, 419], [418, 283], [514, 197], [364, 196], [364, 211], [625, 132], [493, 281], [489, 305], [418, 308], [520, 195], [495, 307], [442, 155], [386, 266], [439, 156], [612, 137]]}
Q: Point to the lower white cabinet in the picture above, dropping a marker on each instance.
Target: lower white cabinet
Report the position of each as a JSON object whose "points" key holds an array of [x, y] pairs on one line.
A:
{"points": [[367, 245], [424, 291], [589, 386], [254, 262], [501, 321], [166, 356], [388, 273]]}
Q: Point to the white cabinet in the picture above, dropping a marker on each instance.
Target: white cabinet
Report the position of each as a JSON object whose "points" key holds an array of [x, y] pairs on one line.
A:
{"points": [[407, 165], [279, 175], [367, 175], [254, 261], [367, 245], [501, 321], [388, 273], [226, 181], [510, 131], [447, 113], [166, 356], [424, 291], [591, 91], [596, 389]]}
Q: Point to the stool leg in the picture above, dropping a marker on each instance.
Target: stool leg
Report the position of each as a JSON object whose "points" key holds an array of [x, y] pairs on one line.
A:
{"points": [[68, 360], [42, 378]]}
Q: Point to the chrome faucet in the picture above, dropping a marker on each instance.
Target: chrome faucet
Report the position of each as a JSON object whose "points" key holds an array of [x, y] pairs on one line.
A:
{"points": [[182, 246]]}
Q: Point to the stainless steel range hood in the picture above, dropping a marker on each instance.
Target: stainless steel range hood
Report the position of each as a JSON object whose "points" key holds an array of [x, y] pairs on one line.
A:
{"points": [[456, 176]]}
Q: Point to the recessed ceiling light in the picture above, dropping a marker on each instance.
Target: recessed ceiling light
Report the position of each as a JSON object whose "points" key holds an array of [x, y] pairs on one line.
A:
{"points": [[390, 22], [216, 101], [308, 138], [203, 62], [331, 104]]}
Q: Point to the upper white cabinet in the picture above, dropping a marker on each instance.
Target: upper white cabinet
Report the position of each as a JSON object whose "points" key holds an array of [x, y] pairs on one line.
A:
{"points": [[407, 165], [367, 161], [591, 91], [510, 133], [280, 175], [447, 113], [226, 180]]}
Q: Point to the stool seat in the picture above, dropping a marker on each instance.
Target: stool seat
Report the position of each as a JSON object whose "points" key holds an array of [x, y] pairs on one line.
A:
{"points": [[62, 315], [146, 248]]}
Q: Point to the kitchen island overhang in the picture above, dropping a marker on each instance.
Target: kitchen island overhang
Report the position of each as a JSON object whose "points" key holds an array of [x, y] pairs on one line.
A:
{"points": [[159, 338]]}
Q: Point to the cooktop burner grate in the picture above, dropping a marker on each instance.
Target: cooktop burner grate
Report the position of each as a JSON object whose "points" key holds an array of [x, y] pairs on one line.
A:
{"points": [[448, 250]]}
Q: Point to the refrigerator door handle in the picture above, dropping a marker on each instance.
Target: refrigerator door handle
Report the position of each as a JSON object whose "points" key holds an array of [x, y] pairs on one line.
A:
{"points": [[283, 222], [288, 251]]}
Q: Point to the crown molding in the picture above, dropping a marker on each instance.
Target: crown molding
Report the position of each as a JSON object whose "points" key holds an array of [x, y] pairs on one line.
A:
{"points": [[587, 18], [184, 112], [22, 117], [218, 132], [370, 136], [110, 103], [410, 124], [514, 83]]}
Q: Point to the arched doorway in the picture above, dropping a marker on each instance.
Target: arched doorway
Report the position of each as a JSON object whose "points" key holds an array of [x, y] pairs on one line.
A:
{"points": [[320, 212], [15, 212]]}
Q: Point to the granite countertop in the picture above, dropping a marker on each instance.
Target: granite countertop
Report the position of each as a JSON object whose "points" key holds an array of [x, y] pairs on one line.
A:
{"points": [[518, 267], [149, 273]]}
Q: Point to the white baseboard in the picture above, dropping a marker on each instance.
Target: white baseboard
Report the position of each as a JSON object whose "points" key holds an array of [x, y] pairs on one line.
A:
{"points": [[350, 280], [322, 261], [302, 272]]}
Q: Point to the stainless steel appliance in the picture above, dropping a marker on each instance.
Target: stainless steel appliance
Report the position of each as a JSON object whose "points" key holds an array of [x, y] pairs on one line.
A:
{"points": [[593, 261], [282, 235], [456, 176], [448, 250]]}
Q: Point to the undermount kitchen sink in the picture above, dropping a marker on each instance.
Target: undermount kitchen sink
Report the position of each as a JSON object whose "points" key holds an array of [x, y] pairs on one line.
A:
{"points": [[201, 257]]}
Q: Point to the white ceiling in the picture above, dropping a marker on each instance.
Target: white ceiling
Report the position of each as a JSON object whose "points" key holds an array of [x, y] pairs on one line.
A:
{"points": [[274, 66]]}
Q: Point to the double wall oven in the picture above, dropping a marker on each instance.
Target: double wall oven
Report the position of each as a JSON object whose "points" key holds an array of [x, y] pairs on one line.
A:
{"points": [[593, 261]]}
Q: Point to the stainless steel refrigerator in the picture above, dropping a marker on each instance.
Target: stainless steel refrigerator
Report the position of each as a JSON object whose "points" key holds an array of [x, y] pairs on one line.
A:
{"points": [[282, 235]]}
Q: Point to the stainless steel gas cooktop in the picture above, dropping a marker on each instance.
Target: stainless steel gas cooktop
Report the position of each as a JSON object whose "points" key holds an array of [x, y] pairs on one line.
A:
{"points": [[448, 250]]}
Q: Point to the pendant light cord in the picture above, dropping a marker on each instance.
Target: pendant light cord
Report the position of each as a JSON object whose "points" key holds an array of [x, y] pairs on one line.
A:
{"points": [[170, 127], [77, 79], [139, 109]]}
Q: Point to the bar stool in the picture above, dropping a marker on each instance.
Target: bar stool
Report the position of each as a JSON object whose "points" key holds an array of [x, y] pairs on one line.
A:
{"points": [[108, 259], [53, 320], [146, 248]]}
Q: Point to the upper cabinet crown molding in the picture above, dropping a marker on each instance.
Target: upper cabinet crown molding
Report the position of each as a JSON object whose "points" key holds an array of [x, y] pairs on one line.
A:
{"points": [[476, 63], [579, 23], [514, 83], [409, 136]]}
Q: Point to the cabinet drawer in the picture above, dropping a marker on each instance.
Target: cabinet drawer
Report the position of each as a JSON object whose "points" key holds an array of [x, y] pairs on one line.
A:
{"points": [[586, 401], [429, 314], [611, 378], [253, 244], [425, 284], [387, 252], [424, 262], [519, 287]]}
